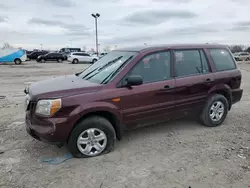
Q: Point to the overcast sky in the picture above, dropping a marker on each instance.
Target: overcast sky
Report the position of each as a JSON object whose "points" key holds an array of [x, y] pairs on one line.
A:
{"points": [[61, 23]]}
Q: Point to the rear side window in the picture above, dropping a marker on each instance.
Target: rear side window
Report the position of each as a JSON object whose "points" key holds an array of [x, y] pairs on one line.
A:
{"points": [[189, 62], [222, 59]]}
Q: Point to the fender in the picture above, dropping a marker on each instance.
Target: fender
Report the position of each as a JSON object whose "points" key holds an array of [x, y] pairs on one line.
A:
{"points": [[222, 89], [98, 106]]}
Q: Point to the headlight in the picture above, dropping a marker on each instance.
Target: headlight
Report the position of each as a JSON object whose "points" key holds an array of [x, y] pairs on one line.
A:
{"points": [[48, 107]]}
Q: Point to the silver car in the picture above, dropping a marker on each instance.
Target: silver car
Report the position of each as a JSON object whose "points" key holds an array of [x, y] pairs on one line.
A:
{"points": [[242, 56]]}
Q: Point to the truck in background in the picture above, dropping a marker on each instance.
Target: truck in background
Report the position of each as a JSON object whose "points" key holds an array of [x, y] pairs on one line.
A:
{"points": [[12, 55]]}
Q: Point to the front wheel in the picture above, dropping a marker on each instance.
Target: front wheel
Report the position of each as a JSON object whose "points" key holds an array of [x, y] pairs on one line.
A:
{"points": [[75, 61], [59, 60], [42, 60], [247, 59], [215, 111], [92, 137]]}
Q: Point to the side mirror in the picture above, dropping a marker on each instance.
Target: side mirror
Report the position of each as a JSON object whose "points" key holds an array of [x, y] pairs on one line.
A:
{"points": [[134, 80]]}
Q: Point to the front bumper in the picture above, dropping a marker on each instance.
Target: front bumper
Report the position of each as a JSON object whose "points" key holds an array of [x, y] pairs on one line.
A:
{"points": [[50, 130]]}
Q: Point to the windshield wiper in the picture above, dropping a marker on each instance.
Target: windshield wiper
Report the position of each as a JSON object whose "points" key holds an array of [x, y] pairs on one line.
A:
{"points": [[89, 73], [103, 67], [111, 75], [110, 63]]}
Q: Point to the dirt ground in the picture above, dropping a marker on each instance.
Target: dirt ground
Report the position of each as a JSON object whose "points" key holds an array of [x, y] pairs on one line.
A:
{"points": [[178, 154]]}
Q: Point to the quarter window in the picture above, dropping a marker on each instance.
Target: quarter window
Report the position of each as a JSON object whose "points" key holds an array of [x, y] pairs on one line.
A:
{"points": [[222, 59], [188, 62], [154, 67]]}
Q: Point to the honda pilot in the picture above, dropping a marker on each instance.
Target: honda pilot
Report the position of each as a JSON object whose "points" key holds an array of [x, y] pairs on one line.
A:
{"points": [[132, 87]]}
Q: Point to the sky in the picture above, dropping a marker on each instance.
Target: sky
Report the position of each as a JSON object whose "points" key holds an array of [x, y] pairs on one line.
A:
{"points": [[60, 23]]}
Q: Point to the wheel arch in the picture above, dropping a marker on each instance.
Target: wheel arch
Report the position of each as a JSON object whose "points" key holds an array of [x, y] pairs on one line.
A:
{"points": [[110, 116], [224, 90]]}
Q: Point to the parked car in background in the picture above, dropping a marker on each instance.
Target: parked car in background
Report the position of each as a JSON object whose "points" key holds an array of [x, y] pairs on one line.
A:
{"points": [[242, 56], [12, 55], [89, 110], [77, 57], [52, 56], [34, 55], [28, 52], [102, 54]]}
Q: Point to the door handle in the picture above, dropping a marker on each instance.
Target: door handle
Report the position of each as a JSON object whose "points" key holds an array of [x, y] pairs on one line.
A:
{"points": [[208, 80], [166, 88]]}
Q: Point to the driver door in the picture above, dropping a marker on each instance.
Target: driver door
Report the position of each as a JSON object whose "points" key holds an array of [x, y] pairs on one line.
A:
{"points": [[153, 101]]}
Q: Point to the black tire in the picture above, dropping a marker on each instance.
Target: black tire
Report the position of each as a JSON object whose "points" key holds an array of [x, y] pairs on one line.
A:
{"points": [[247, 59], [59, 60], [92, 122], [94, 60], [75, 61], [18, 61], [205, 117], [43, 61]]}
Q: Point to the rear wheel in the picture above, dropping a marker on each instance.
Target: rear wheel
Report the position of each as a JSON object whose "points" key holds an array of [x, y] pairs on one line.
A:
{"points": [[247, 59], [94, 60], [17, 61], [42, 60], [214, 111], [59, 60], [75, 61], [91, 137]]}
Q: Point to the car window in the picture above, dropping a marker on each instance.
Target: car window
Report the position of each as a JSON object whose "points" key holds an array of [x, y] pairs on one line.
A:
{"points": [[152, 68], [188, 62], [222, 59], [84, 54]]}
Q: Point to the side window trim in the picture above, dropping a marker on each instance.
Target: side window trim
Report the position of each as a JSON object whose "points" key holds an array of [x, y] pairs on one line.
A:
{"points": [[172, 76], [202, 51]]}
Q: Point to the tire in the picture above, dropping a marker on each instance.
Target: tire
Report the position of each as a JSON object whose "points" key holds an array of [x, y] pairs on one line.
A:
{"points": [[94, 60], [17, 61], [43, 61], [94, 122], [75, 61], [247, 59], [205, 117], [59, 60]]}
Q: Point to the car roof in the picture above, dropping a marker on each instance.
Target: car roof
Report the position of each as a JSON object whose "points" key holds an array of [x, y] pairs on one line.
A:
{"points": [[169, 46]]}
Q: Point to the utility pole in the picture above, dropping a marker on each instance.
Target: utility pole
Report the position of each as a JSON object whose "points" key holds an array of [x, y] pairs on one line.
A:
{"points": [[97, 15]]}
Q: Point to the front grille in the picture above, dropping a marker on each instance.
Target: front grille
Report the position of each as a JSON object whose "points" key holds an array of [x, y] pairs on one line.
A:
{"points": [[31, 106]]}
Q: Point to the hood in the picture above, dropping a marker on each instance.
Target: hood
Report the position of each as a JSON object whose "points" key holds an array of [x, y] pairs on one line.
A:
{"points": [[61, 86]]}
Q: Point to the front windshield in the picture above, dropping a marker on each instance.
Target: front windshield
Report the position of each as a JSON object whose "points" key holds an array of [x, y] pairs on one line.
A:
{"points": [[107, 67]]}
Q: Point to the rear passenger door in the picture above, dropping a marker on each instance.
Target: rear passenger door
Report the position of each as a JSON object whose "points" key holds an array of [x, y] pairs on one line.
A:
{"points": [[194, 79]]}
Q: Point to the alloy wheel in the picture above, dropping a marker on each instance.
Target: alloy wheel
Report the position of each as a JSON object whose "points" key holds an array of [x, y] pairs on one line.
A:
{"points": [[92, 142]]}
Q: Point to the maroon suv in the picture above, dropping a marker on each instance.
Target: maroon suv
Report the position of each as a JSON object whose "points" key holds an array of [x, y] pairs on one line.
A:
{"points": [[132, 87]]}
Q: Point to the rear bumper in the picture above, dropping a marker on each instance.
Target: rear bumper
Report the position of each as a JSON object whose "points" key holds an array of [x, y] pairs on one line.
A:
{"points": [[236, 95]]}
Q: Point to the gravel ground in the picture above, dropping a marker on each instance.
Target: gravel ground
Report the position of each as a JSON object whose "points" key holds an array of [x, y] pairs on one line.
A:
{"points": [[176, 154]]}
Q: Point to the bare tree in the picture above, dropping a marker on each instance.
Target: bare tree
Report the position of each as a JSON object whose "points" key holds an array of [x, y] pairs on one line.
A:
{"points": [[236, 48], [7, 45], [84, 48], [107, 49]]}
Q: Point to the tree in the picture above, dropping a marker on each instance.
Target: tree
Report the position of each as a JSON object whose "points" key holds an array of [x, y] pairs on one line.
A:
{"points": [[237, 48], [107, 49], [248, 50], [84, 48], [7, 45]]}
